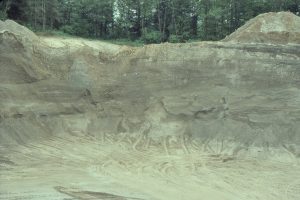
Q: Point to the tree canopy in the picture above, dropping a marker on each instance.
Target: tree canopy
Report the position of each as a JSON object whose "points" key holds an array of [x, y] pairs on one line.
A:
{"points": [[151, 21]]}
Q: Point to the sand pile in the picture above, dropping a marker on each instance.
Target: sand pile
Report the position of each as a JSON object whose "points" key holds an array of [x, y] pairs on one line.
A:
{"points": [[18, 61], [26, 58], [278, 28], [18, 30]]}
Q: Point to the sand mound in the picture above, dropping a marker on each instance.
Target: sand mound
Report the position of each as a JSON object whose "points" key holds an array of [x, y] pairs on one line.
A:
{"points": [[278, 28], [17, 60], [27, 58], [17, 29]]}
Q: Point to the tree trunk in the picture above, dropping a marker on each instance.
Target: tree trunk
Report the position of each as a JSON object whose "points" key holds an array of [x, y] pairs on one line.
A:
{"points": [[159, 17], [138, 25], [174, 19], [44, 14], [165, 22], [194, 25]]}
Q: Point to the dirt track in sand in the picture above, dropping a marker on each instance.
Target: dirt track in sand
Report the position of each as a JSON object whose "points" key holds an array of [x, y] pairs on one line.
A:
{"points": [[81, 168]]}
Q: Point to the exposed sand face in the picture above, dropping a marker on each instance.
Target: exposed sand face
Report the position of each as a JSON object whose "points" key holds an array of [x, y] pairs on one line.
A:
{"points": [[88, 168], [81, 119]]}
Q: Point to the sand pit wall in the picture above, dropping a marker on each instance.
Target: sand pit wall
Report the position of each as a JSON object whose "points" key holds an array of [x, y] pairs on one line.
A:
{"points": [[218, 97]]}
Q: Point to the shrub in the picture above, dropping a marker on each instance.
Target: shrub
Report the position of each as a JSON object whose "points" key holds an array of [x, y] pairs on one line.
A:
{"points": [[174, 39], [179, 38], [152, 37], [68, 29], [3, 15]]}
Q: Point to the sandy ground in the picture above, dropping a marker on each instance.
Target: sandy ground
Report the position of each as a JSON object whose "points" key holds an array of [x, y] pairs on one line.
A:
{"points": [[76, 43], [90, 168]]}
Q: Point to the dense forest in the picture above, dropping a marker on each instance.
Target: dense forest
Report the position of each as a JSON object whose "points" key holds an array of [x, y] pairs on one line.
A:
{"points": [[149, 21]]}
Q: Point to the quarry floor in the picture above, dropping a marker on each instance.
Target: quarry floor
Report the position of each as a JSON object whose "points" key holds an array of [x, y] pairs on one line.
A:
{"points": [[95, 168]]}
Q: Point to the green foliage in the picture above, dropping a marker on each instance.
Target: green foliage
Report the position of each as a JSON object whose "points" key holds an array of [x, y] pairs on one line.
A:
{"points": [[53, 33], [136, 21], [3, 10], [3, 15], [4, 5], [68, 29], [179, 38], [152, 37], [174, 39]]}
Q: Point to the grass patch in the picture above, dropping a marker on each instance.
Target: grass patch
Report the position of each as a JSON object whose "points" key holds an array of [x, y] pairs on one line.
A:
{"points": [[124, 41], [56, 33], [135, 43], [53, 33]]}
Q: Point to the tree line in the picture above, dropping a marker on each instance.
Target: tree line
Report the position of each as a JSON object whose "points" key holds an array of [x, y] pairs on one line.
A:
{"points": [[151, 21]]}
